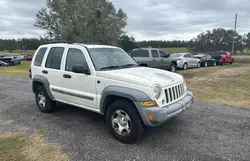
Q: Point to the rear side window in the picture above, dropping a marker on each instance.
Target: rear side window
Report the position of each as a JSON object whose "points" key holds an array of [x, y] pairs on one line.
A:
{"points": [[54, 58], [140, 53], [75, 57], [39, 57], [155, 54]]}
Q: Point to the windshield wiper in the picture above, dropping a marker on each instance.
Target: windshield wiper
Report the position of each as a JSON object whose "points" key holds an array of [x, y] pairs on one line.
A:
{"points": [[129, 65], [110, 67]]}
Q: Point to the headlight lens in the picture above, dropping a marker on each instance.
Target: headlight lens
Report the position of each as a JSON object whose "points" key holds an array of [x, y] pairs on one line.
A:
{"points": [[157, 92]]}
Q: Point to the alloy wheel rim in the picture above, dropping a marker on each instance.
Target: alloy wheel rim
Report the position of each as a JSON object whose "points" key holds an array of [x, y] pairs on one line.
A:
{"points": [[121, 122], [41, 100]]}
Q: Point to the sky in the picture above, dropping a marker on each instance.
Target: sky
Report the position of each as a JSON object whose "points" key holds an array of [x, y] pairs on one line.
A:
{"points": [[147, 19]]}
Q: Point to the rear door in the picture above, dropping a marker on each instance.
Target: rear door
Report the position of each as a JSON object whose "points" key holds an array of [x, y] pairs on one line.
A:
{"points": [[52, 70], [155, 63], [79, 88], [193, 60], [165, 60]]}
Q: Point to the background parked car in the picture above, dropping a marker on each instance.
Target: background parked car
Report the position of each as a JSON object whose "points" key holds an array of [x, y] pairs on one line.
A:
{"points": [[222, 57], [10, 59], [29, 57], [185, 60], [206, 60], [3, 63], [155, 58]]}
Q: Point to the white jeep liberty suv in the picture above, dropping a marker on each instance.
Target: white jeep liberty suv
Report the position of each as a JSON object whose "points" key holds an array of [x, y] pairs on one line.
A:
{"points": [[106, 80]]}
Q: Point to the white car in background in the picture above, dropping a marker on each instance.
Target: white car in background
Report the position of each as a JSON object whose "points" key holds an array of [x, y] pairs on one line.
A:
{"points": [[185, 60]]}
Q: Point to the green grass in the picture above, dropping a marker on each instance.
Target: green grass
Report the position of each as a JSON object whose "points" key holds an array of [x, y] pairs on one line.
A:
{"points": [[228, 85], [18, 52], [27, 147], [18, 70], [175, 50]]}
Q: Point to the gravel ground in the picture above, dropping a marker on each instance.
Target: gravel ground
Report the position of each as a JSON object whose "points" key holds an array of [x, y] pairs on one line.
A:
{"points": [[205, 132]]}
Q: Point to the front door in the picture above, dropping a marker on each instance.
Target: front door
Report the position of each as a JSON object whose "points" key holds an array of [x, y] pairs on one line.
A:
{"points": [[155, 59], [79, 88], [165, 60]]}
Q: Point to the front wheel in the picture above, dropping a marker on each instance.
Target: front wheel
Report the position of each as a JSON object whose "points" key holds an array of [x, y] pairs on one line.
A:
{"points": [[124, 122], [173, 67]]}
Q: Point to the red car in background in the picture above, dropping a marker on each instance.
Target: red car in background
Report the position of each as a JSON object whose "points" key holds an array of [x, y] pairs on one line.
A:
{"points": [[222, 57], [29, 57]]}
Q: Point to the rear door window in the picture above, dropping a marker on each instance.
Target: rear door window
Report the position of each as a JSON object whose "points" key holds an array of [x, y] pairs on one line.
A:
{"points": [[39, 57], [140, 53], [54, 58], [155, 53]]}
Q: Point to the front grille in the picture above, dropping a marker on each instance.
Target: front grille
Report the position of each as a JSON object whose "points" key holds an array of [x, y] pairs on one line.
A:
{"points": [[174, 93]]}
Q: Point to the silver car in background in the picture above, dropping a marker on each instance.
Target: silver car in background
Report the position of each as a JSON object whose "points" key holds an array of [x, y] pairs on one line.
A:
{"points": [[185, 60]]}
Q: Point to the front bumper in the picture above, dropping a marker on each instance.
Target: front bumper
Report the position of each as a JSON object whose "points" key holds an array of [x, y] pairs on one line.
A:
{"points": [[161, 115]]}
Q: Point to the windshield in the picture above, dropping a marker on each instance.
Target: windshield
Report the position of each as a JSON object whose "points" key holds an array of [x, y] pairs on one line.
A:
{"points": [[110, 58]]}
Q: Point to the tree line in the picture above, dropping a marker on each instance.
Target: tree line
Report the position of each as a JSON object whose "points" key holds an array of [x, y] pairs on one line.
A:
{"points": [[88, 21]]}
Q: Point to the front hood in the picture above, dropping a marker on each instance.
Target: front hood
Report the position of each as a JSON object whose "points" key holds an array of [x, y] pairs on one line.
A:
{"points": [[142, 76]]}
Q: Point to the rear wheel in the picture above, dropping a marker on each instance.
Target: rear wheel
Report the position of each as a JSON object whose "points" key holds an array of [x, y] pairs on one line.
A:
{"points": [[44, 103], [173, 67], [124, 122], [185, 66], [215, 64], [198, 65]]}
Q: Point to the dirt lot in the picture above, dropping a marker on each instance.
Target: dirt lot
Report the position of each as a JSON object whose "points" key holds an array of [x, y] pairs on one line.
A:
{"points": [[207, 131]]}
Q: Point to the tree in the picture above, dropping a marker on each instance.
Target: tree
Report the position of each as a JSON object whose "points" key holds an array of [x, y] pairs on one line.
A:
{"points": [[217, 39], [82, 21], [127, 43], [247, 41]]}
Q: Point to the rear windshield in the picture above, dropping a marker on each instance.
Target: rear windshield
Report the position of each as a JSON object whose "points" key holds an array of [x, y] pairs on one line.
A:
{"points": [[140, 53]]}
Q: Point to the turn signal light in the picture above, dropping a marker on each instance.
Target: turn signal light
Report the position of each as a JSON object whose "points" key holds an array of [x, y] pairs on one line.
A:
{"points": [[148, 104]]}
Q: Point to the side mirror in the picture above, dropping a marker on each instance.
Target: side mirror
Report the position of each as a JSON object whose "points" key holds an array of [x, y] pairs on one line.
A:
{"points": [[166, 56], [80, 69]]}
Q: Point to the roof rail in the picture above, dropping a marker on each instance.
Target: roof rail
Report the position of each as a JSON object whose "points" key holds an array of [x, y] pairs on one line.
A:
{"points": [[57, 41]]}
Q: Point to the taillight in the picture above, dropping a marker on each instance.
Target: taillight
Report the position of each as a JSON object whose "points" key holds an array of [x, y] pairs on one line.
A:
{"points": [[30, 72], [179, 59], [202, 59]]}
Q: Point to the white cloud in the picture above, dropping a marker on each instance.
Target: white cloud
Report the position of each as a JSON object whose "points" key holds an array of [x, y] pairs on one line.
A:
{"points": [[147, 19]]}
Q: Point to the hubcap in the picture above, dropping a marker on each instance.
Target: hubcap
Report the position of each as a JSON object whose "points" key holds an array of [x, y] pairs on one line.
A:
{"points": [[185, 66], [173, 68], [214, 63], [206, 64], [41, 100], [121, 122], [198, 65]]}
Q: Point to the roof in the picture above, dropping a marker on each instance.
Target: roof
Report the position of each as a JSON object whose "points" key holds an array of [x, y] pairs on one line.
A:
{"points": [[147, 49], [78, 44]]}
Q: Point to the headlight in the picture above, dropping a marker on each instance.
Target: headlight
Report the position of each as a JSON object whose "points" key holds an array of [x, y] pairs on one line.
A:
{"points": [[157, 92]]}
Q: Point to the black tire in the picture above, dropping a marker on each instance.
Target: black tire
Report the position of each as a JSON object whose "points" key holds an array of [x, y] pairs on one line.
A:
{"points": [[222, 63], [173, 67], [49, 103], [135, 123], [185, 68]]}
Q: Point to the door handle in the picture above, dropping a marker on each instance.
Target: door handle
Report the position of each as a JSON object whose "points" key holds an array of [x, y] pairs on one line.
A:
{"points": [[45, 72], [67, 76]]}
